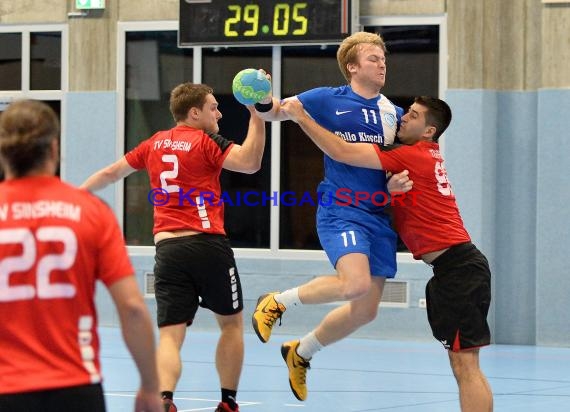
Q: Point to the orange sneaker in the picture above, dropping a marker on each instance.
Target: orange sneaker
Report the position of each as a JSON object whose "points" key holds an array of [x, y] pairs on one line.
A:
{"points": [[266, 313]]}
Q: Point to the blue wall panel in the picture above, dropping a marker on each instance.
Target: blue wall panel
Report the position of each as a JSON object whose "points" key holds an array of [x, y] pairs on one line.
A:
{"points": [[553, 218], [515, 247], [90, 137], [507, 155]]}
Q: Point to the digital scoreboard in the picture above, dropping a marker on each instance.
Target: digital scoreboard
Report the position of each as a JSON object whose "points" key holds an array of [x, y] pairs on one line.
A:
{"points": [[265, 22]]}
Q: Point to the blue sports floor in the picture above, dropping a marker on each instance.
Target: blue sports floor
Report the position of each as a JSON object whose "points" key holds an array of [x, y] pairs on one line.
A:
{"points": [[353, 375]]}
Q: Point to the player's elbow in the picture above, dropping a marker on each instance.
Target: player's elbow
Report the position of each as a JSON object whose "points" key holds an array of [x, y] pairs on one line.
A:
{"points": [[101, 179], [133, 310], [112, 174], [252, 167], [250, 164]]}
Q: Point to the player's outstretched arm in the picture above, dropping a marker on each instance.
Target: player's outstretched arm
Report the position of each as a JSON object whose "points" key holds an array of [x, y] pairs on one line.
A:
{"points": [[246, 158], [108, 175], [355, 154], [269, 108], [138, 335], [275, 113]]}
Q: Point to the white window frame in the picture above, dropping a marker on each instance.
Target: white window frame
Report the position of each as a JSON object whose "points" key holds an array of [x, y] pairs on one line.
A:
{"points": [[7, 96], [273, 251], [422, 20], [122, 29], [419, 20]]}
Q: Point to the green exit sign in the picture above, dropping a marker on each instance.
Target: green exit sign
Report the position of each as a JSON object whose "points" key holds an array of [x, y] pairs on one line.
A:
{"points": [[90, 4]]}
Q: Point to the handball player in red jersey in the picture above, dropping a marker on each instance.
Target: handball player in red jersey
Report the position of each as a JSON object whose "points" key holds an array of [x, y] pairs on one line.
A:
{"points": [[56, 241], [194, 263], [428, 221]]}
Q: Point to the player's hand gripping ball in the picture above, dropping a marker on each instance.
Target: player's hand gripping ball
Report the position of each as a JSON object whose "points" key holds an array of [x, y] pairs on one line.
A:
{"points": [[250, 86]]}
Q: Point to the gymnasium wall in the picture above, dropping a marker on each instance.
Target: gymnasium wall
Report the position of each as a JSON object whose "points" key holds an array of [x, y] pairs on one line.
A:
{"points": [[509, 88], [507, 154]]}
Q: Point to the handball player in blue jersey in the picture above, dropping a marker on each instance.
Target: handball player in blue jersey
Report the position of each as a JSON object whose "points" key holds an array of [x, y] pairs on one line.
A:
{"points": [[353, 228]]}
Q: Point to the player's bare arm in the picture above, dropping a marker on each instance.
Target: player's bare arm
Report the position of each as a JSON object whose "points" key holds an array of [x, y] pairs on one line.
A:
{"points": [[355, 154], [275, 113], [138, 334], [246, 158], [108, 175]]}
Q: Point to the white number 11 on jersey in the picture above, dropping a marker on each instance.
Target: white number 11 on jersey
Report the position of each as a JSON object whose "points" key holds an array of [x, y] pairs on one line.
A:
{"points": [[345, 238]]}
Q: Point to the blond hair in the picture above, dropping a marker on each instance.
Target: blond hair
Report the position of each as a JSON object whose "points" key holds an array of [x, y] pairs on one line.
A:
{"points": [[349, 48]]}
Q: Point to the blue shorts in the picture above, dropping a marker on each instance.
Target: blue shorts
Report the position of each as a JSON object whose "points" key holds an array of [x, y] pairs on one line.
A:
{"points": [[344, 230]]}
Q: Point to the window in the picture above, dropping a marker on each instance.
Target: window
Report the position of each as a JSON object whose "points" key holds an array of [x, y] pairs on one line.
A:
{"points": [[413, 65], [415, 60], [301, 161], [33, 61], [247, 223], [153, 66], [11, 61], [45, 61], [412, 61], [291, 163]]}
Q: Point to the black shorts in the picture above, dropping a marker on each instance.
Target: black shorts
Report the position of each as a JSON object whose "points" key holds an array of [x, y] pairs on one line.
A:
{"points": [[458, 298], [195, 270], [84, 398]]}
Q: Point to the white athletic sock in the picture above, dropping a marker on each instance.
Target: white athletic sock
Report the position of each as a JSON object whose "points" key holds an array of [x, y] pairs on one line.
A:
{"points": [[289, 298], [308, 346]]}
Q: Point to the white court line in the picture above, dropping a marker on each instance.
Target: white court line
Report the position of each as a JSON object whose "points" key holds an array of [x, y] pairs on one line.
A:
{"points": [[209, 408]]}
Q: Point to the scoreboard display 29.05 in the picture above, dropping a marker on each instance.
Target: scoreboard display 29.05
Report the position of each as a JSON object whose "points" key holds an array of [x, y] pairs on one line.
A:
{"points": [[264, 22]]}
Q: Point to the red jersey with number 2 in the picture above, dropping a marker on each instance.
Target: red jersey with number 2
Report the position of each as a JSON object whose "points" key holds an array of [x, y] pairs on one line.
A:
{"points": [[56, 241], [184, 166], [426, 218]]}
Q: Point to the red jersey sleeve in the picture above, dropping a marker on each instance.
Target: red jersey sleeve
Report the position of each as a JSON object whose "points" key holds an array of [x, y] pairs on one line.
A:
{"points": [[217, 151], [136, 158], [113, 262], [394, 158]]}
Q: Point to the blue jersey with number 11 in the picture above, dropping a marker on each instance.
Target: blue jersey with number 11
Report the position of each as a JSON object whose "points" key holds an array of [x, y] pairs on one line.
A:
{"points": [[356, 120]]}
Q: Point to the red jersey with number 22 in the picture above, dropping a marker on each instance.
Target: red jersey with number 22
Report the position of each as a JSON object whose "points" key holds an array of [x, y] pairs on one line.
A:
{"points": [[426, 218], [184, 166], [56, 241]]}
